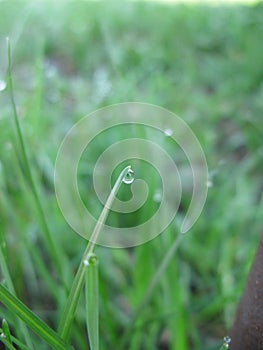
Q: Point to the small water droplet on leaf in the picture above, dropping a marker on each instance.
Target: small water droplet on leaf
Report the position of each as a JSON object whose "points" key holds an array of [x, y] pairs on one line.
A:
{"points": [[227, 339], [168, 132], [91, 259], [157, 197], [225, 345], [209, 183], [2, 85], [129, 177]]}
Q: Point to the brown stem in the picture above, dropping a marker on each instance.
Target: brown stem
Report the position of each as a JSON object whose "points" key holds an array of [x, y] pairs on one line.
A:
{"points": [[247, 331]]}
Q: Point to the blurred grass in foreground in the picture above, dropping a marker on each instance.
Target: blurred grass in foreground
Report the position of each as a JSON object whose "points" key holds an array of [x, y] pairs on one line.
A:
{"points": [[202, 62]]}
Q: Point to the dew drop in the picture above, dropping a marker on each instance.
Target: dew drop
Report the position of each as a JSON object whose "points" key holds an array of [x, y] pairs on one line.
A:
{"points": [[157, 197], [2, 85], [168, 132], [91, 259], [225, 345], [227, 339], [129, 177], [209, 183]]}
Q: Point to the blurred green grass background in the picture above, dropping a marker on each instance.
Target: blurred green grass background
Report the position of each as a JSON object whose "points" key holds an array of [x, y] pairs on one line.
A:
{"points": [[204, 63]]}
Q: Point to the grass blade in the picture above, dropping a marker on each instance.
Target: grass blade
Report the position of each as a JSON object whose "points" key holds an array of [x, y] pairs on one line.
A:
{"points": [[92, 301], [31, 319], [148, 293], [73, 298], [17, 342], [26, 164], [5, 270], [6, 342], [6, 332]]}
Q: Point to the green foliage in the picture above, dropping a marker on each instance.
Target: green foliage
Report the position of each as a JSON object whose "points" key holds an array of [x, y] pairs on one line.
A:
{"points": [[92, 301], [30, 319], [201, 62], [6, 333], [87, 262]]}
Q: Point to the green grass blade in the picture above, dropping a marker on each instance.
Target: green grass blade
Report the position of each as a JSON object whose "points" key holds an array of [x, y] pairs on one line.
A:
{"points": [[7, 344], [17, 342], [22, 328], [73, 298], [6, 331], [26, 164], [92, 302], [4, 268], [143, 302], [20, 345], [31, 319]]}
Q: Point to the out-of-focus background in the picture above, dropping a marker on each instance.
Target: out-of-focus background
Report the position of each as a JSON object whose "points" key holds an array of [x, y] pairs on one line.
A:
{"points": [[202, 61]]}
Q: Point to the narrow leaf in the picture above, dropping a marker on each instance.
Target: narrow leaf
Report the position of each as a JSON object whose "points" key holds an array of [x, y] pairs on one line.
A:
{"points": [[6, 331], [31, 319], [15, 341], [74, 295], [22, 331], [28, 172], [6, 342], [92, 301]]}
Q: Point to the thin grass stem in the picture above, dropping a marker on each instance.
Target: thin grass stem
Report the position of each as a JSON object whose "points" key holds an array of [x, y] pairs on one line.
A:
{"points": [[156, 278], [92, 301], [6, 331], [43, 222], [7, 344], [74, 294], [8, 280], [31, 320]]}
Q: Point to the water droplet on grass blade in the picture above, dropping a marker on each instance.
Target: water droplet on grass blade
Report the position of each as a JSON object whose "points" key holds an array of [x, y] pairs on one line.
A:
{"points": [[2, 85], [209, 183], [129, 177], [92, 259], [158, 195], [227, 339], [168, 132], [225, 345]]}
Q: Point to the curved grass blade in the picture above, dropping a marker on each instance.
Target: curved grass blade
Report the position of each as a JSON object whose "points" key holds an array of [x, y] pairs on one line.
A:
{"points": [[6, 332], [22, 330], [148, 293], [31, 319], [29, 176], [73, 298], [15, 341], [7, 344], [92, 301]]}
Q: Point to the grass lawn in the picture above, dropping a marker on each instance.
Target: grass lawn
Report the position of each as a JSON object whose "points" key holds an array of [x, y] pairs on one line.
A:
{"points": [[202, 62]]}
